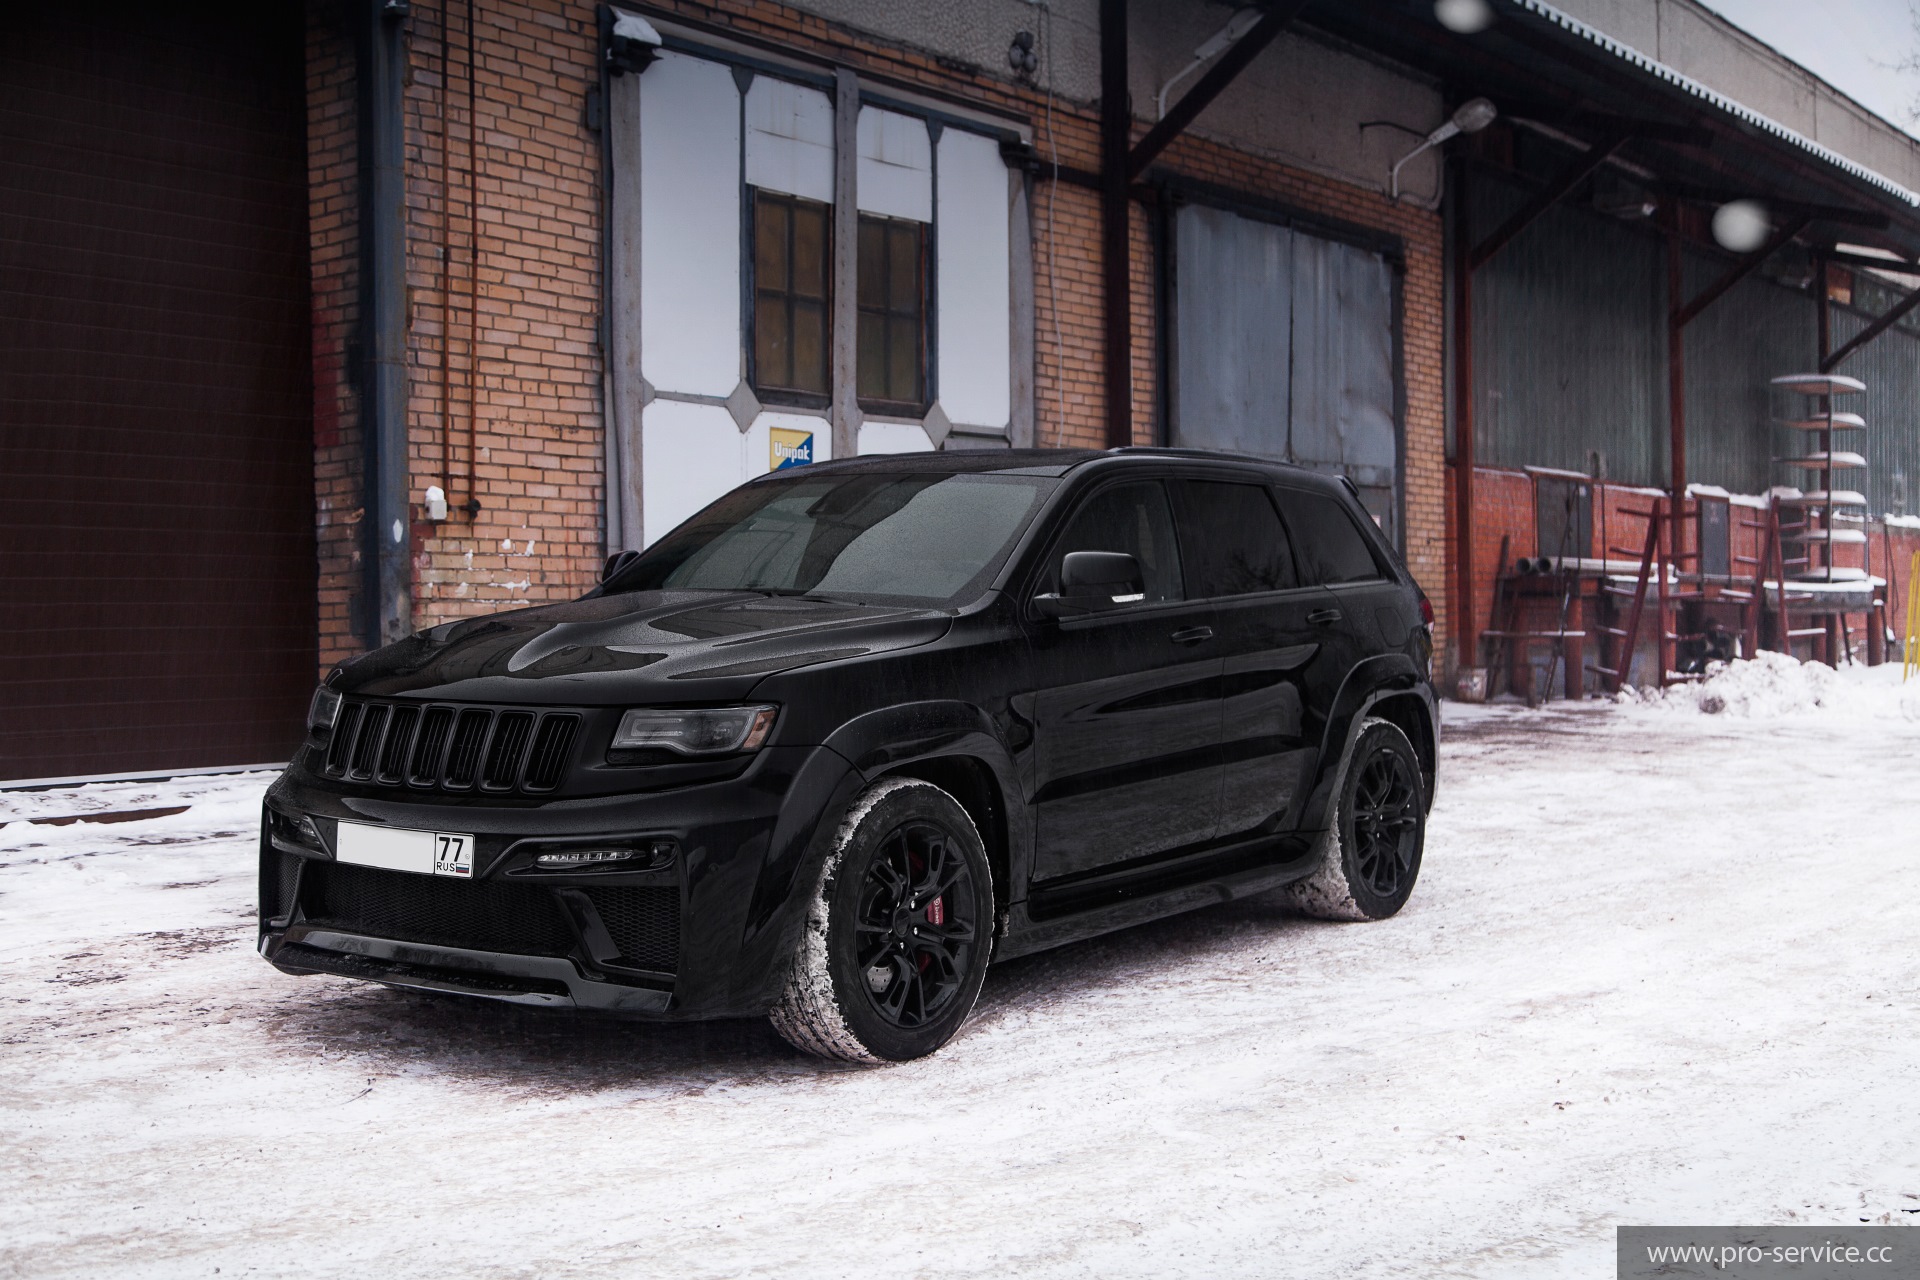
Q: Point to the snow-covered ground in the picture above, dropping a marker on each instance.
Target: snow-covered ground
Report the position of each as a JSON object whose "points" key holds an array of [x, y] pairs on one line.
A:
{"points": [[1663, 966]]}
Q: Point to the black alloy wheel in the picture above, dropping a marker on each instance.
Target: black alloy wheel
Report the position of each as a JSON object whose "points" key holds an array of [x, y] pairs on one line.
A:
{"points": [[916, 934], [899, 932], [1386, 820]]}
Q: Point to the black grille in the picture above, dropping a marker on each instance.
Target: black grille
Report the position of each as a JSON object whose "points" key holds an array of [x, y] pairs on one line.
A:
{"points": [[373, 728], [644, 922], [346, 727], [393, 756], [481, 915], [430, 751], [463, 757], [511, 732], [548, 762], [449, 748]]}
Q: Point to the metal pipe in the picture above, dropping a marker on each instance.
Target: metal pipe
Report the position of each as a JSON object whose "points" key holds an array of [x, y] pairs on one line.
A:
{"points": [[388, 583], [1115, 249], [1463, 418], [1676, 382]]}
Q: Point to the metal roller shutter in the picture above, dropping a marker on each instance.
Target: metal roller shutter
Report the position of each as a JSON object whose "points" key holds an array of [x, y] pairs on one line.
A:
{"points": [[156, 457]]}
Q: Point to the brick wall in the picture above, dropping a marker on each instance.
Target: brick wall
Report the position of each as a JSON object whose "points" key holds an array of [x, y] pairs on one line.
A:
{"points": [[504, 287], [333, 192]]}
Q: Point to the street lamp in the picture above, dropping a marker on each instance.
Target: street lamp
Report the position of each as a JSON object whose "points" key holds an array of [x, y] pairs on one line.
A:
{"points": [[1471, 116]]}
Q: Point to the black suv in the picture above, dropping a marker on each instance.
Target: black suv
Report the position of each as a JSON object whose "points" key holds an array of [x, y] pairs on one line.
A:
{"points": [[856, 728]]}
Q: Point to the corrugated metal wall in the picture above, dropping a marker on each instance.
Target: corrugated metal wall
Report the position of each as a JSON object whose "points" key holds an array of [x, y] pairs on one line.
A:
{"points": [[1569, 342], [1754, 332], [1890, 366], [1570, 360]]}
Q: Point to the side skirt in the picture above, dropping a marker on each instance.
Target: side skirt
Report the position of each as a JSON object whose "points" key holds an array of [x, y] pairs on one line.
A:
{"points": [[1066, 911]]}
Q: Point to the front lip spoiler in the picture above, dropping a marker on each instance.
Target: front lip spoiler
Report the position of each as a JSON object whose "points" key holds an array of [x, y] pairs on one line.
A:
{"points": [[532, 980]]}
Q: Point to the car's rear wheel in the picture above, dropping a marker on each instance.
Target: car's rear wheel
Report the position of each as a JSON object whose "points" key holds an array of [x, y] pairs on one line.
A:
{"points": [[1370, 853], [898, 933]]}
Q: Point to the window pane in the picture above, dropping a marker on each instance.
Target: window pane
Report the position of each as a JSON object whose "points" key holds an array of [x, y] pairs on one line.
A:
{"points": [[792, 298], [1132, 518], [809, 347], [871, 359], [810, 251], [1331, 546], [903, 358], [903, 269], [1233, 539], [873, 263], [770, 242], [772, 351]]}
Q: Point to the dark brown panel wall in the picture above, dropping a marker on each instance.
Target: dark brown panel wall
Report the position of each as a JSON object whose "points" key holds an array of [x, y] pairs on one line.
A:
{"points": [[156, 453]]}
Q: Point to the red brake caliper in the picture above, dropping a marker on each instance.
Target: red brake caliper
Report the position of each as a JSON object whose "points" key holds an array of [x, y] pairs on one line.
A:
{"points": [[937, 911]]}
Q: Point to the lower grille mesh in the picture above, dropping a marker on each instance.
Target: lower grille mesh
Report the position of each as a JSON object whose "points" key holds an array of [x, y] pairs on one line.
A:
{"points": [[644, 922], [479, 915]]}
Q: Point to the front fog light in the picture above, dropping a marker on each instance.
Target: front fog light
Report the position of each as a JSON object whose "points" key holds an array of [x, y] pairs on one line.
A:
{"points": [[703, 731]]}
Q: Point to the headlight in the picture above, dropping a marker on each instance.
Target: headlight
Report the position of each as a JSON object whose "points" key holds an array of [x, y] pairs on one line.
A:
{"points": [[324, 709], [707, 731]]}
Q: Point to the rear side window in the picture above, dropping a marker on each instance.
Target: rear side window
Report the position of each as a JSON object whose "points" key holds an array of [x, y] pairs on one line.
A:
{"points": [[1232, 538], [1331, 546], [1132, 518]]}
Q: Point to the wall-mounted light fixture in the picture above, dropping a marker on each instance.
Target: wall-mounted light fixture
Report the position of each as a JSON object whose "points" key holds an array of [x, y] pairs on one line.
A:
{"points": [[1471, 116], [1222, 40]]}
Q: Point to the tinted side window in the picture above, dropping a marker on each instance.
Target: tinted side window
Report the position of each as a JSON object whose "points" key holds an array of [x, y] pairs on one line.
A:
{"points": [[1233, 539], [1132, 518], [1332, 548]]}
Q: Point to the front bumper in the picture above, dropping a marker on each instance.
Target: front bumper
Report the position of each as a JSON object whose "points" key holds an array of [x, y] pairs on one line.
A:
{"points": [[719, 923]]}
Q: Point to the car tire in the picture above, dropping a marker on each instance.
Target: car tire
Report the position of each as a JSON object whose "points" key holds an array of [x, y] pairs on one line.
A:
{"points": [[887, 969], [1370, 852]]}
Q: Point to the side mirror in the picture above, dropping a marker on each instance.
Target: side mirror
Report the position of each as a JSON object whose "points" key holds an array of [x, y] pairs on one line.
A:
{"points": [[1093, 581], [616, 562]]}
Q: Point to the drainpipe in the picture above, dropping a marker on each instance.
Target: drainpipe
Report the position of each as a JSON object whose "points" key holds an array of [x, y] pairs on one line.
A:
{"points": [[387, 613]]}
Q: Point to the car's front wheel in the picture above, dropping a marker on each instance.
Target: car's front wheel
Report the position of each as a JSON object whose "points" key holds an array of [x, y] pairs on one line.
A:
{"points": [[1370, 854], [897, 935]]}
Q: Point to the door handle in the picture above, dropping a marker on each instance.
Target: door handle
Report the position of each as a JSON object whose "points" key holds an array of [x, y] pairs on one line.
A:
{"points": [[1323, 617], [1192, 635]]}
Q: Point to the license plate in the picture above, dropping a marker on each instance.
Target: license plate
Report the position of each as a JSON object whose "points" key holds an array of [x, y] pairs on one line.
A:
{"points": [[427, 853]]}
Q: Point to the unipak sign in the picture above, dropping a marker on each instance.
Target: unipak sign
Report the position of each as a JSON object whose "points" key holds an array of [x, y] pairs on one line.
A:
{"points": [[789, 448]]}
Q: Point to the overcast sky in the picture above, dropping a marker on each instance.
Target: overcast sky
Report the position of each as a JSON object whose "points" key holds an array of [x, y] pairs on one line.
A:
{"points": [[1852, 44]]}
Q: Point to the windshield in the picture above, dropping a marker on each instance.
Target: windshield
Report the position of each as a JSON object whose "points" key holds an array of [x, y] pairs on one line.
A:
{"points": [[892, 538]]}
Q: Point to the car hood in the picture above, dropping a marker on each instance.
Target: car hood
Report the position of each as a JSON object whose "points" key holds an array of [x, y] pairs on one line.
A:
{"points": [[662, 646]]}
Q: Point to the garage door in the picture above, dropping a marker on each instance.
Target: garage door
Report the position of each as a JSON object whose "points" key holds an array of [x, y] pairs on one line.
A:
{"points": [[156, 458], [1284, 347]]}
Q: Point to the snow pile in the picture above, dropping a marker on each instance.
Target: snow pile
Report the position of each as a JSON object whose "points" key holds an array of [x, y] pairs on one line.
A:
{"points": [[1771, 685]]}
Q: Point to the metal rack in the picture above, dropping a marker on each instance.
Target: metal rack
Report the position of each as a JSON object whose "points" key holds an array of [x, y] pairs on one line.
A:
{"points": [[1808, 531], [1817, 529]]}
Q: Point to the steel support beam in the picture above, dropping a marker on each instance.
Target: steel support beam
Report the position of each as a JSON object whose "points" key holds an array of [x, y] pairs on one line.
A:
{"points": [[1550, 195], [1676, 391], [1208, 87], [1828, 363], [1116, 118], [1682, 316]]}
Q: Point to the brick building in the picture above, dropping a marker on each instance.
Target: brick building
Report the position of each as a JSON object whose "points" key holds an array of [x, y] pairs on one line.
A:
{"points": [[574, 270]]}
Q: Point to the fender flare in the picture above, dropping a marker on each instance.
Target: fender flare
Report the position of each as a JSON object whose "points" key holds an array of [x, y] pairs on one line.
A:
{"points": [[1371, 682], [889, 740]]}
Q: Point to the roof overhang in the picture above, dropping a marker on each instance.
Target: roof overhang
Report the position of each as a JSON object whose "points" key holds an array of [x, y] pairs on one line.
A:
{"points": [[1693, 144]]}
